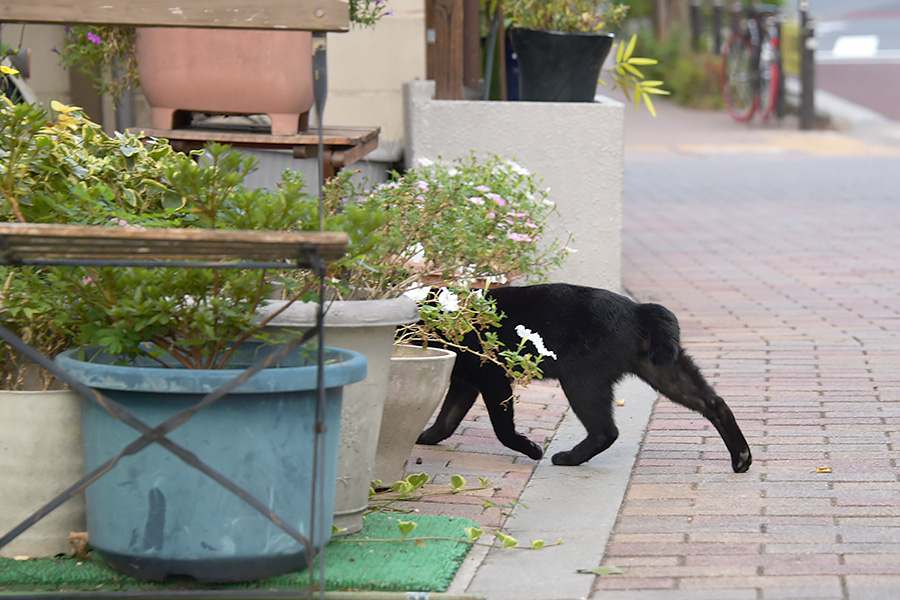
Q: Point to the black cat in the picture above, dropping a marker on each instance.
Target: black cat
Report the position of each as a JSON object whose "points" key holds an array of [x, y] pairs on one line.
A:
{"points": [[597, 337]]}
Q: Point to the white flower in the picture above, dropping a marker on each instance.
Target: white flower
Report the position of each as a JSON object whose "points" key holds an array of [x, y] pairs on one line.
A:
{"points": [[448, 300], [516, 168], [424, 162], [569, 250], [536, 339], [418, 294]]}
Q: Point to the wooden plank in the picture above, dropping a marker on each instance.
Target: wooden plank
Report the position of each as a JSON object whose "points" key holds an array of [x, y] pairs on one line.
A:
{"points": [[313, 15], [448, 28], [19, 241]]}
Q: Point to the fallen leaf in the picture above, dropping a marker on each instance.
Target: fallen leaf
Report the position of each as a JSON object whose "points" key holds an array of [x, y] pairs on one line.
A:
{"points": [[608, 570], [823, 469], [21, 557], [620, 402]]}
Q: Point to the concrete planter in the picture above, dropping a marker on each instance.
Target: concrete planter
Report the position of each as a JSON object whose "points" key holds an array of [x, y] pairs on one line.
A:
{"points": [[366, 326], [40, 456], [577, 147], [418, 381]]}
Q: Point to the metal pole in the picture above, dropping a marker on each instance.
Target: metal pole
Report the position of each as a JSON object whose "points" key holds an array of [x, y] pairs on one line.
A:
{"points": [[717, 26], [696, 24], [807, 68]]}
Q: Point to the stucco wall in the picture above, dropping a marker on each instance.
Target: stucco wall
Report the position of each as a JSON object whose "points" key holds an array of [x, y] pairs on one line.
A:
{"points": [[576, 147]]}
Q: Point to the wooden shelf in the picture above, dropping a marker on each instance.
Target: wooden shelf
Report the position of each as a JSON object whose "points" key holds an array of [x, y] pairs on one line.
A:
{"points": [[343, 146]]}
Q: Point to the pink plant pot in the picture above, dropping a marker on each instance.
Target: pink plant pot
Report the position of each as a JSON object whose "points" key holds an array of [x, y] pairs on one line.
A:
{"points": [[226, 71]]}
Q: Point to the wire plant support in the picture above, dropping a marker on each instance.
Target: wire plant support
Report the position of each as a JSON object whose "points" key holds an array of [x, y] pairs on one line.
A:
{"points": [[64, 245]]}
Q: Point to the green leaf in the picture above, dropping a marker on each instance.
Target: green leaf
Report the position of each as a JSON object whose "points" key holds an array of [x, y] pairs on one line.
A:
{"points": [[457, 482], [473, 533], [601, 571], [406, 527], [507, 541], [537, 544]]}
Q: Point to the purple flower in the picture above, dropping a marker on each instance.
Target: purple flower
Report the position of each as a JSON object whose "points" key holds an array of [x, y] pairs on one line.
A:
{"points": [[94, 38]]}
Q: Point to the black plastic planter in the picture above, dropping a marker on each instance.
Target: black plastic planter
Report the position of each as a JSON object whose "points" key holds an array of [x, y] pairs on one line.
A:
{"points": [[559, 66]]}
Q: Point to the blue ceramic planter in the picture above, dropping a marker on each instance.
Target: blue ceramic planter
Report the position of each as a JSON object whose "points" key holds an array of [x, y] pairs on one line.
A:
{"points": [[152, 516]]}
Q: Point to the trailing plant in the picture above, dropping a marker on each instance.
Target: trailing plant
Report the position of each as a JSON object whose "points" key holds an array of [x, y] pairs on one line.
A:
{"points": [[105, 53], [412, 489]]}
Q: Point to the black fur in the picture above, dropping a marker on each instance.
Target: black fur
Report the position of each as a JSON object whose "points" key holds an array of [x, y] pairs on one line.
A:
{"points": [[598, 337]]}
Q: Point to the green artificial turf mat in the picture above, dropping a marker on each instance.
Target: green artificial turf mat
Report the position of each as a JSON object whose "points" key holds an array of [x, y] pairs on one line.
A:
{"points": [[349, 565]]}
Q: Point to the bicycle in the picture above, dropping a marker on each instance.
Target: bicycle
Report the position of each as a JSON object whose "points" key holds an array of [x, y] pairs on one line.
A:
{"points": [[751, 63]]}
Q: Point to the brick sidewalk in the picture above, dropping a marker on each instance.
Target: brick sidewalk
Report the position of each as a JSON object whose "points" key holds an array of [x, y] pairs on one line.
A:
{"points": [[784, 272], [474, 451]]}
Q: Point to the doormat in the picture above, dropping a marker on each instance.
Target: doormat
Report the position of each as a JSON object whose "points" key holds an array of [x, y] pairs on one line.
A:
{"points": [[352, 562]]}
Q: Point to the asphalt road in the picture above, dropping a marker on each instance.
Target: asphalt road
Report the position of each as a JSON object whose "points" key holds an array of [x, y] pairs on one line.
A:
{"points": [[858, 51]]}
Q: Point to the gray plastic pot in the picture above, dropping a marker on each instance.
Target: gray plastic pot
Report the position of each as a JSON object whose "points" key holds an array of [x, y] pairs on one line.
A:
{"points": [[152, 516]]}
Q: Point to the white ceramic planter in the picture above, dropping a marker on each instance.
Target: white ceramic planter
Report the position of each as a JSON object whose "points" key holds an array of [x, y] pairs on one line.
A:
{"points": [[417, 383], [40, 456], [366, 326]]}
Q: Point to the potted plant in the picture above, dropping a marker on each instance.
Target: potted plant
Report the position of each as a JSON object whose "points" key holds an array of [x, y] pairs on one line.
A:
{"points": [[208, 70], [436, 234], [562, 45], [150, 330]]}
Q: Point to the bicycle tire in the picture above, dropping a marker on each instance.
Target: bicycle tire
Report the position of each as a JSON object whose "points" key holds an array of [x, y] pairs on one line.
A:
{"points": [[768, 77], [738, 78]]}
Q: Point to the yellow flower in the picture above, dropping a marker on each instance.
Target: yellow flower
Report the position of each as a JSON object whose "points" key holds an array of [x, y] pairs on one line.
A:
{"points": [[8, 70]]}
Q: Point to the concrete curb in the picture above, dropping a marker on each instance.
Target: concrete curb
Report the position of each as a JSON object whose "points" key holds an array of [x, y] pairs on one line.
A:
{"points": [[578, 504]]}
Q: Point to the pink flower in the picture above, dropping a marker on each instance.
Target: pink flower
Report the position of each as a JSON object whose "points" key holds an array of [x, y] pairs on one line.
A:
{"points": [[482, 189], [519, 237], [496, 198], [422, 186], [476, 200], [94, 38]]}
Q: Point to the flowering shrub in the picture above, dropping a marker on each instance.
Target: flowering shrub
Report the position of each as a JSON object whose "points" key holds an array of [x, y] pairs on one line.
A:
{"points": [[437, 233], [461, 223]]}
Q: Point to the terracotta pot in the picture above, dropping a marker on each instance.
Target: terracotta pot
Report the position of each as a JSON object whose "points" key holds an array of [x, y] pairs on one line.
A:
{"points": [[226, 71]]}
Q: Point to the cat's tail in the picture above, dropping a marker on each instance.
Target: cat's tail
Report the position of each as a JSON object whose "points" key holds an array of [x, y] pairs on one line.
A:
{"points": [[662, 338]]}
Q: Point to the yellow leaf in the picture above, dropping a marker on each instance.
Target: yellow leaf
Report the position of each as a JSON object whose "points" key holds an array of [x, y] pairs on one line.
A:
{"points": [[823, 469], [657, 91], [620, 52], [630, 48], [620, 402], [635, 60], [633, 70], [651, 83], [649, 104], [63, 108]]}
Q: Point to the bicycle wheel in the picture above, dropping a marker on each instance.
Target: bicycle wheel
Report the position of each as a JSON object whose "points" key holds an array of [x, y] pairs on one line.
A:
{"points": [[738, 86], [768, 77]]}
